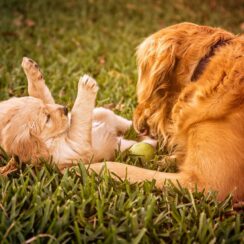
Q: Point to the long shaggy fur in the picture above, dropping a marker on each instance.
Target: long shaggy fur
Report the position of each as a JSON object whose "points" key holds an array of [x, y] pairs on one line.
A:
{"points": [[201, 115]]}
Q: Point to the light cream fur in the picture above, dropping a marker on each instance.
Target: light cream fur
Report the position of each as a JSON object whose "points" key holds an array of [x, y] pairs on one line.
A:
{"points": [[35, 127]]}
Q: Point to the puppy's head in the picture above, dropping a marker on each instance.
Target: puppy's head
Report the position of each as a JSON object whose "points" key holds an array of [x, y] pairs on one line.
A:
{"points": [[30, 124]]}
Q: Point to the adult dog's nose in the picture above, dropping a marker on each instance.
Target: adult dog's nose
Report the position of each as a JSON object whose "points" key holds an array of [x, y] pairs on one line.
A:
{"points": [[66, 111], [144, 131]]}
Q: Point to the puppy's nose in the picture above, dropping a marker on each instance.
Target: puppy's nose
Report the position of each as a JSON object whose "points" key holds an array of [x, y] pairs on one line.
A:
{"points": [[66, 111]]}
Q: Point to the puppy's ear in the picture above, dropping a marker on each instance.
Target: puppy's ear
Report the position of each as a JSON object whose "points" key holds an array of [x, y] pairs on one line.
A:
{"points": [[156, 59], [24, 144]]}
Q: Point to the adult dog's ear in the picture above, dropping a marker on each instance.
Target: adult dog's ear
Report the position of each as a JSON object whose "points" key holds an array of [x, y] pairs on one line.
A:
{"points": [[22, 142], [156, 59]]}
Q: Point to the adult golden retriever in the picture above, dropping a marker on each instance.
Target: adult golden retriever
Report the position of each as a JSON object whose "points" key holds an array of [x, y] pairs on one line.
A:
{"points": [[191, 93], [35, 127]]}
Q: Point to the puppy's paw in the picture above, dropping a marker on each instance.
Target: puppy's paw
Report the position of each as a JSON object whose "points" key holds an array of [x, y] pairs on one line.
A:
{"points": [[88, 84], [31, 69]]}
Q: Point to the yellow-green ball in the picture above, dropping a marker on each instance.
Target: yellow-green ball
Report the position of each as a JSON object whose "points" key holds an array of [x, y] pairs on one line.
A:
{"points": [[143, 150]]}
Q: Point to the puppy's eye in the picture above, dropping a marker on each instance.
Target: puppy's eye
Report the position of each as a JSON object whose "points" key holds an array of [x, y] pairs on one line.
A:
{"points": [[48, 118]]}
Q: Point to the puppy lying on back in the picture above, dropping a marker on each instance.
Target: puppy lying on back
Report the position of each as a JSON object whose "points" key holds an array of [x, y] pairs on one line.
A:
{"points": [[35, 127], [191, 93]]}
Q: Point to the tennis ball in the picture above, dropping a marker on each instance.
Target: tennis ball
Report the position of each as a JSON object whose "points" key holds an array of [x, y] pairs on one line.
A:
{"points": [[143, 150]]}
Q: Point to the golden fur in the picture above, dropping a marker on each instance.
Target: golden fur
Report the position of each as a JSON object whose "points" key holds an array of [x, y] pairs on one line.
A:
{"points": [[35, 127], [202, 118]]}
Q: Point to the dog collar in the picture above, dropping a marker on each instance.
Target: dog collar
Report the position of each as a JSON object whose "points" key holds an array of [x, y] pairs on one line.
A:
{"points": [[204, 61]]}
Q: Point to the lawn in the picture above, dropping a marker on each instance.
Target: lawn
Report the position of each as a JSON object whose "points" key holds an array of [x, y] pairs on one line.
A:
{"points": [[99, 37]]}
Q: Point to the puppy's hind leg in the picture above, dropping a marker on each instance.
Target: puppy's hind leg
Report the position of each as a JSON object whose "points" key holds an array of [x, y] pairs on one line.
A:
{"points": [[118, 123], [105, 142], [36, 83], [124, 144], [122, 124]]}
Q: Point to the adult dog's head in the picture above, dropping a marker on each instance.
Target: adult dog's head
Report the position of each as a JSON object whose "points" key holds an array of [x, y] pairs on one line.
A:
{"points": [[155, 90], [151, 95], [168, 61], [27, 125]]}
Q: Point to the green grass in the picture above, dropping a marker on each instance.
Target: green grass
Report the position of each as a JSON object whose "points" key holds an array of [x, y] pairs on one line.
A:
{"points": [[68, 39]]}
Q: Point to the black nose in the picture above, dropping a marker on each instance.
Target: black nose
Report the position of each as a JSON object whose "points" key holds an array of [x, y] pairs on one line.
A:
{"points": [[66, 111]]}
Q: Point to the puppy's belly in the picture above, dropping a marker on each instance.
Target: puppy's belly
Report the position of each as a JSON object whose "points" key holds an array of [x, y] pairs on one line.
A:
{"points": [[104, 141], [96, 124]]}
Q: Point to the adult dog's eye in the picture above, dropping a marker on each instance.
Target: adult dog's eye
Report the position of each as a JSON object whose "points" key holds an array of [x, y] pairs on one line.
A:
{"points": [[48, 118]]}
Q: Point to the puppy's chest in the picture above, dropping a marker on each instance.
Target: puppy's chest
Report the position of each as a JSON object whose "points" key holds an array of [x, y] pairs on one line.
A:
{"points": [[58, 149]]}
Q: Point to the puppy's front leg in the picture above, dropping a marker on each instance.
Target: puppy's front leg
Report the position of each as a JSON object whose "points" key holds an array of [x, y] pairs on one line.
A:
{"points": [[79, 134], [36, 83]]}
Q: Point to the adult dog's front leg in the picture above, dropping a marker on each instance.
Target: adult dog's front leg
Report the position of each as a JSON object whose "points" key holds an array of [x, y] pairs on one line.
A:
{"points": [[135, 174], [79, 134], [36, 83]]}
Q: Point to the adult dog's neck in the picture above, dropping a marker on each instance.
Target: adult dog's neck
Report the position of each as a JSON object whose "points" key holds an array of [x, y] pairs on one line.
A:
{"points": [[205, 60]]}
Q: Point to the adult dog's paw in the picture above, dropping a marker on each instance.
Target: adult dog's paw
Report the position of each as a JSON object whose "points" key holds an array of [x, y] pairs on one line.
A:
{"points": [[88, 84], [31, 69]]}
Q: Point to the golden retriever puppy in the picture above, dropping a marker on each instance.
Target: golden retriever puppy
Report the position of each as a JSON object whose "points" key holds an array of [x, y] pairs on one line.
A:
{"points": [[191, 93], [35, 127]]}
